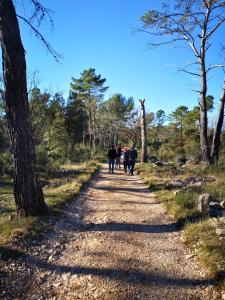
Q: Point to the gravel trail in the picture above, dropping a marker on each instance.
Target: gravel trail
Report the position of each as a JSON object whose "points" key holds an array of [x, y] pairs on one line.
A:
{"points": [[115, 242]]}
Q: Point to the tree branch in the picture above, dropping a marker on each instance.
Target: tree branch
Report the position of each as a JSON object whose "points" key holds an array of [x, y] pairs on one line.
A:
{"points": [[43, 40], [197, 91], [215, 28], [40, 12], [166, 42], [214, 67], [188, 37], [188, 72]]}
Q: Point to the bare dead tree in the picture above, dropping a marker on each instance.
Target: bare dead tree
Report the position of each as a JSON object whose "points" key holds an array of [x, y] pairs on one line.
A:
{"points": [[144, 158], [193, 22]]}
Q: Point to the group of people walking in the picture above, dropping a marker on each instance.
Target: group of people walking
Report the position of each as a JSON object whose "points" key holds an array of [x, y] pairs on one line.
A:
{"points": [[126, 156]]}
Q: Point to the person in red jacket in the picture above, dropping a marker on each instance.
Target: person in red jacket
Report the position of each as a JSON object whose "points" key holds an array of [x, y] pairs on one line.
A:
{"points": [[112, 154]]}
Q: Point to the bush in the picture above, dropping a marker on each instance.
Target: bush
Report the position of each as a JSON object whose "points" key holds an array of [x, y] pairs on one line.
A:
{"points": [[80, 152], [166, 152], [42, 158], [6, 164]]}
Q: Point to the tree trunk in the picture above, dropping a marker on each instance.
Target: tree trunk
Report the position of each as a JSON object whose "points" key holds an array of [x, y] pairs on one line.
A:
{"points": [[117, 138], [84, 136], [203, 114], [156, 137], [218, 127], [27, 190], [144, 158], [94, 142]]}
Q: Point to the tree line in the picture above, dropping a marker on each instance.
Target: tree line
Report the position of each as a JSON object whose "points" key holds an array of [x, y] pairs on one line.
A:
{"points": [[83, 125]]}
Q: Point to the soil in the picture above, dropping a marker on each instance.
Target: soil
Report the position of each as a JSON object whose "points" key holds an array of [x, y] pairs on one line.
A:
{"points": [[114, 242]]}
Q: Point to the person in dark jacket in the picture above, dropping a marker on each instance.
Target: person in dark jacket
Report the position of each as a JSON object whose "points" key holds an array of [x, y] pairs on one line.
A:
{"points": [[118, 157], [112, 154], [132, 156], [125, 159]]}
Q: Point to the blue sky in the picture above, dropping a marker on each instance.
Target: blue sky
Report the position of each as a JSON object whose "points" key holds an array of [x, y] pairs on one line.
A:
{"points": [[100, 34]]}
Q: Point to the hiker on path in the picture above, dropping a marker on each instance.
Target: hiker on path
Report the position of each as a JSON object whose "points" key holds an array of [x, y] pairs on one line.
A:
{"points": [[132, 156], [118, 156], [125, 159], [112, 154]]}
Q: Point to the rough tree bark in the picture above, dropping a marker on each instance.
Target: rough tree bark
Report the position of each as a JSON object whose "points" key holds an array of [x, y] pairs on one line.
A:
{"points": [[155, 142], [27, 190], [203, 120], [144, 158], [218, 127]]}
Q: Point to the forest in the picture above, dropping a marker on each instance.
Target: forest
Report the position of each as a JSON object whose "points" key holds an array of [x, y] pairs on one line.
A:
{"points": [[83, 127], [53, 152]]}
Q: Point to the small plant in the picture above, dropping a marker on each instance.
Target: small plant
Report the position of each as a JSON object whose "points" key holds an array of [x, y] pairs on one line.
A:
{"points": [[185, 200]]}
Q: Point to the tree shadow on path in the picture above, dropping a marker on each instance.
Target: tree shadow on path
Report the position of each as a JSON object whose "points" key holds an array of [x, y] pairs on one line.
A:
{"points": [[132, 276], [129, 227]]}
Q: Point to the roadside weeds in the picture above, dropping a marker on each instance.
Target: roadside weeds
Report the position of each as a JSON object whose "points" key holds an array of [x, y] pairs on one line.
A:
{"points": [[204, 235]]}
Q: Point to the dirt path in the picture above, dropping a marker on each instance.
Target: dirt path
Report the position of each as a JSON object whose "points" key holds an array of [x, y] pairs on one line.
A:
{"points": [[114, 242]]}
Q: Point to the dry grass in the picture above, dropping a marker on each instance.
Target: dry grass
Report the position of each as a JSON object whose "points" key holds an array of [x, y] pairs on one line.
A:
{"points": [[182, 205], [57, 193], [210, 246]]}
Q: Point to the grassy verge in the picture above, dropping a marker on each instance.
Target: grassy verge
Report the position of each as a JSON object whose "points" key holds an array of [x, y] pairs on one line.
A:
{"points": [[202, 233], [205, 237], [61, 186]]}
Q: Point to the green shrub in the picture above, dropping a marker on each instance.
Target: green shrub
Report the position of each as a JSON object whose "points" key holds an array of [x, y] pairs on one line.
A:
{"points": [[42, 158], [6, 164], [80, 152], [185, 200]]}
